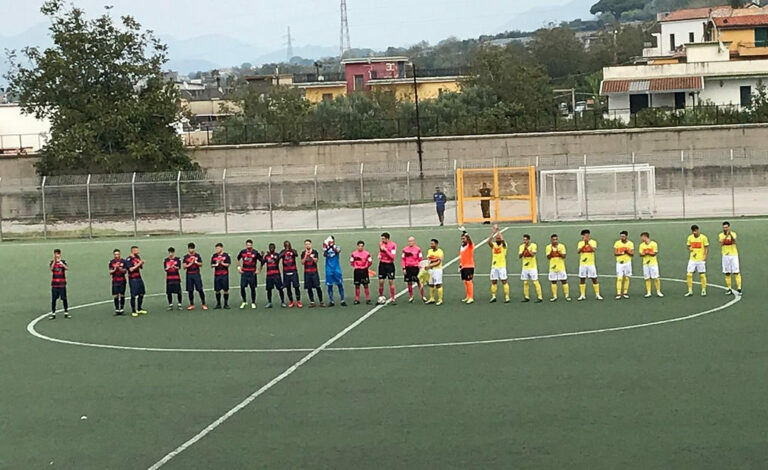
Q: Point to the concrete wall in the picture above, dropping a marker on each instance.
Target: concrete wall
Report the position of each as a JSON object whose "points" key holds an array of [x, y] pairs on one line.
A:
{"points": [[555, 148], [20, 131]]}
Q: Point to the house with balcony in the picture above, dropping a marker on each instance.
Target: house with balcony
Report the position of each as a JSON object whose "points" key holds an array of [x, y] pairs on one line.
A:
{"points": [[365, 75], [721, 62]]}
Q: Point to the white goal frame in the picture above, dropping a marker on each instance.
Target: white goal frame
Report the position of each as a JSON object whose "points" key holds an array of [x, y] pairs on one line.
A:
{"points": [[645, 208]]}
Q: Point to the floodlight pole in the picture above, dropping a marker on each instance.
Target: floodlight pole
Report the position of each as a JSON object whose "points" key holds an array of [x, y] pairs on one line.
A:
{"points": [[419, 148]]}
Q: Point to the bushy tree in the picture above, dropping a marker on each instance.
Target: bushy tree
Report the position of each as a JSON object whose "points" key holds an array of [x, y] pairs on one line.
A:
{"points": [[559, 51], [102, 88]]}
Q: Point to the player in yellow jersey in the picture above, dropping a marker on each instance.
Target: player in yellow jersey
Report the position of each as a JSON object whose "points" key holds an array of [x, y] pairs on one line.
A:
{"points": [[587, 269], [498, 263], [649, 251], [435, 256], [530, 270], [556, 255], [730, 258], [698, 248], [623, 250]]}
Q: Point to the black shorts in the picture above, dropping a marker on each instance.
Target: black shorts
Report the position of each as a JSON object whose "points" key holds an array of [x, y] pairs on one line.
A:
{"points": [[137, 286], [274, 282], [411, 274], [362, 277], [118, 289], [194, 283], [467, 274], [248, 279], [291, 280], [59, 293], [173, 287], [311, 281], [221, 283], [386, 270]]}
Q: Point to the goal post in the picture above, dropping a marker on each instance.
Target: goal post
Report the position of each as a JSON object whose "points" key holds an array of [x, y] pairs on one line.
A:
{"points": [[598, 192], [496, 195]]}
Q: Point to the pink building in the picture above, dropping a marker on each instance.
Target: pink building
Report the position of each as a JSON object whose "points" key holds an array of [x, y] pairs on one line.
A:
{"points": [[358, 72]]}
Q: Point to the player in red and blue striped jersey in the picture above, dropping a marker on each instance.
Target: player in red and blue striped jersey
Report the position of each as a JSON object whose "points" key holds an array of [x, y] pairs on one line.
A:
{"points": [[291, 274], [272, 260], [220, 262], [192, 262], [309, 259], [248, 261], [172, 268], [118, 268], [58, 269], [135, 265]]}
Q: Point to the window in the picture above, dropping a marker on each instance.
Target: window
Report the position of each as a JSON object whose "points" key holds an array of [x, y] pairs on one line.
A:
{"points": [[358, 82], [637, 103], [746, 95], [672, 42], [327, 96], [761, 37], [691, 37], [680, 100]]}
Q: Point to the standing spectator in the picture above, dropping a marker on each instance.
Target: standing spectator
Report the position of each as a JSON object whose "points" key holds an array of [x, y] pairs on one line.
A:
{"points": [[440, 199], [485, 203]]}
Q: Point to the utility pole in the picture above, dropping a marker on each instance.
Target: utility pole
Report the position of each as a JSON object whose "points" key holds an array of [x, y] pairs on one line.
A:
{"points": [[344, 43], [419, 148], [289, 46]]}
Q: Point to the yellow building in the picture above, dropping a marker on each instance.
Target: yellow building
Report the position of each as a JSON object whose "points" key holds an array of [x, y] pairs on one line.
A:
{"points": [[429, 88], [745, 29], [316, 92]]}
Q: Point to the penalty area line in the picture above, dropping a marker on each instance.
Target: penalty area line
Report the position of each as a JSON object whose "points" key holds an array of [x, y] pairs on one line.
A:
{"points": [[286, 373]]}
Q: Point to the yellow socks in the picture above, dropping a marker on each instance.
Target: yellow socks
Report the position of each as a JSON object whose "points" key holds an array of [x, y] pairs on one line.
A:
{"points": [[554, 290], [494, 288], [526, 289], [537, 286], [738, 280], [728, 281], [566, 290], [689, 281], [626, 285], [703, 278], [432, 293], [657, 282], [619, 281], [440, 294], [597, 288], [583, 289], [648, 287], [506, 291]]}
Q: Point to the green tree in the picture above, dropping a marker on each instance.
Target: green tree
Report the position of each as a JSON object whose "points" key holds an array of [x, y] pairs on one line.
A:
{"points": [[616, 7], [558, 50], [514, 78], [102, 88]]}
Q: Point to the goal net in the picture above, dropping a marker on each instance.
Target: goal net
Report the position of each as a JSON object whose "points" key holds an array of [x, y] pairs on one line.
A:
{"points": [[496, 195], [598, 192]]}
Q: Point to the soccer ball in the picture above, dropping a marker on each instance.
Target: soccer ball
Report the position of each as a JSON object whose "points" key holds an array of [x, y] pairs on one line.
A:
{"points": [[382, 300]]}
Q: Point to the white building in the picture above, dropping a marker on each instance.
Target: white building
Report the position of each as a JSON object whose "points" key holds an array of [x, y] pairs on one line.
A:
{"points": [[707, 76], [682, 27], [21, 133]]}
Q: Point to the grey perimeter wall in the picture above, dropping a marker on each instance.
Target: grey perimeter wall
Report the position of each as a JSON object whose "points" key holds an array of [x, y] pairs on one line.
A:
{"points": [[561, 149]]}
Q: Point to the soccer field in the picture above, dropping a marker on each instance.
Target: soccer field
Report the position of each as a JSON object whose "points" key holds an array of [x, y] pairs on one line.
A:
{"points": [[669, 382]]}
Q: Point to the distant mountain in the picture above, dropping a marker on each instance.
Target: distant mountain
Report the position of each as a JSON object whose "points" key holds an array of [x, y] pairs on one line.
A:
{"points": [[540, 17], [208, 52], [307, 52]]}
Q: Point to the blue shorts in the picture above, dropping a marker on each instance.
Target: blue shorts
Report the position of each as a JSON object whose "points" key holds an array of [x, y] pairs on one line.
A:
{"points": [[137, 286], [221, 283], [194, 283], [118, 289], [333, 278], [311, 281], [274, 282], [248, 279], [291, 280]]}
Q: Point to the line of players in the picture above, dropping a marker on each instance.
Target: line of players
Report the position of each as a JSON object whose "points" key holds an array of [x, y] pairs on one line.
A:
{"points": [[418, 271]]}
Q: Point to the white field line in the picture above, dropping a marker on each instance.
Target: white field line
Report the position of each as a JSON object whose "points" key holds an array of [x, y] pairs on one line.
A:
{"points": [[32, 330], [287, 372]]}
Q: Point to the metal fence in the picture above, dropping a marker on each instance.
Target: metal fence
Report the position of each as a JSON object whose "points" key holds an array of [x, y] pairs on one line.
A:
{"points": [[687, 184]]}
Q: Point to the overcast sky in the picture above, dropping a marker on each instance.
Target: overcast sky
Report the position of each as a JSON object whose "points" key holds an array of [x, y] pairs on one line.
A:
{"points": [[373, 23]]}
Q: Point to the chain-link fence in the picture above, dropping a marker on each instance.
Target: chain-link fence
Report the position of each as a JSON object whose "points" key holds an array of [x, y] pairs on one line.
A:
{"points": [[673, 184]]}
